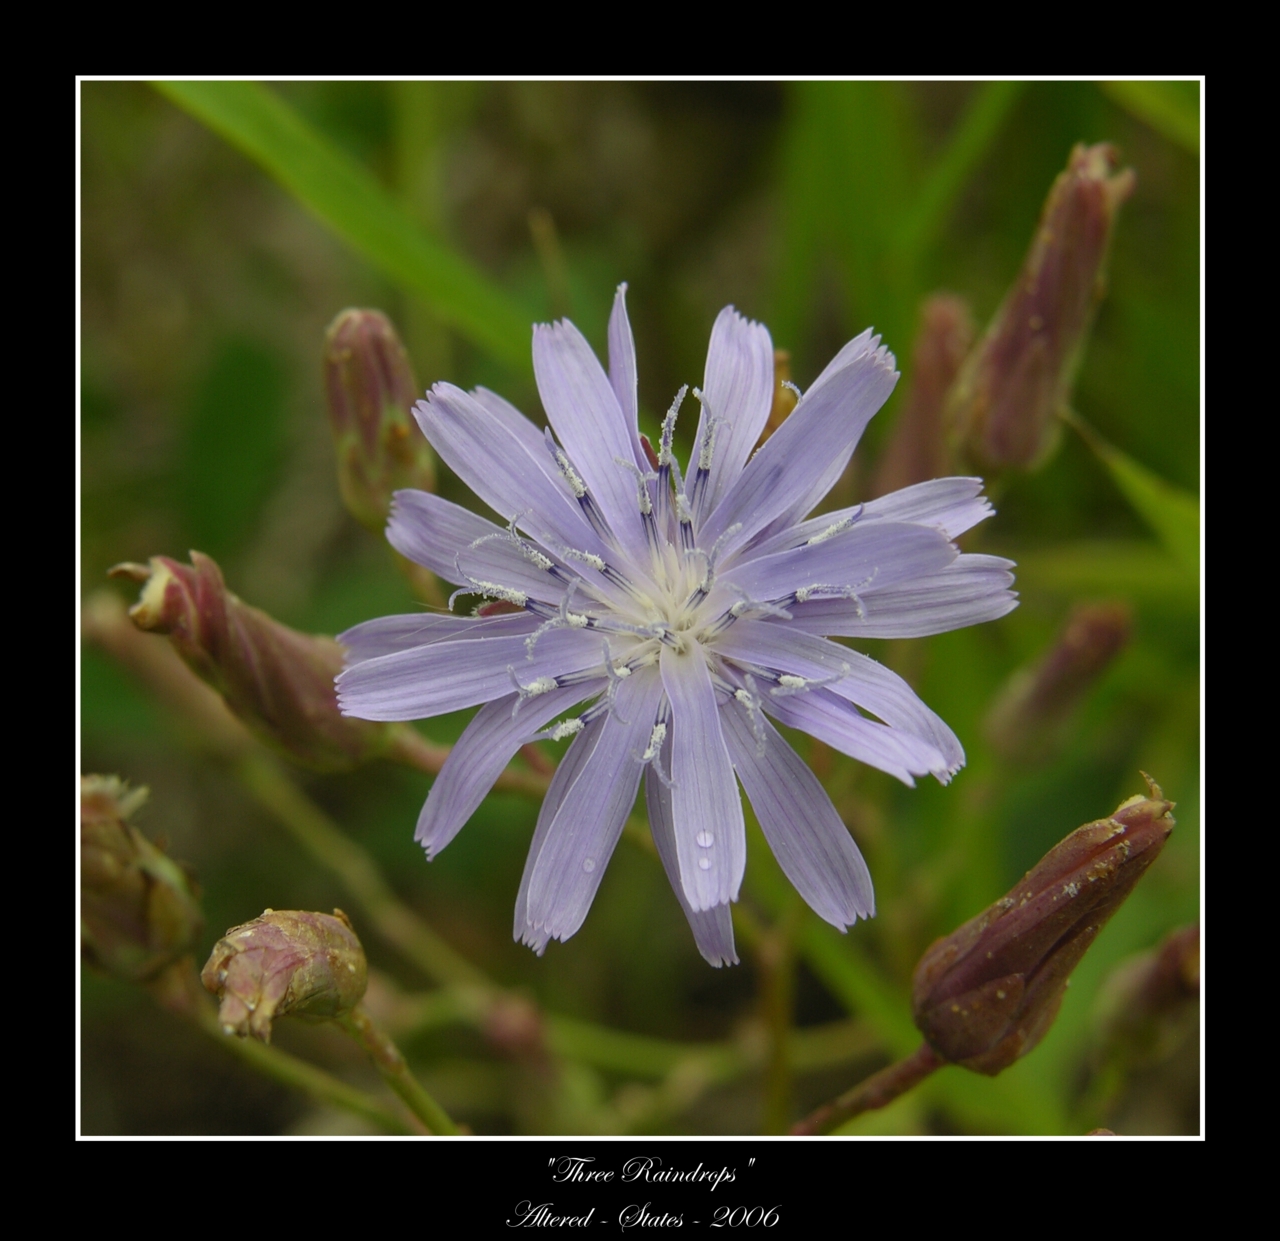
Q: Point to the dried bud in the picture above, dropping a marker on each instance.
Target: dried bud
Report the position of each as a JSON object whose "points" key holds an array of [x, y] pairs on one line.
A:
{"points": [[370, 389], [1029, 713], [138, 909], [277, 680], [918, 450], [306, 964], [988, 993], [1002, 407]]}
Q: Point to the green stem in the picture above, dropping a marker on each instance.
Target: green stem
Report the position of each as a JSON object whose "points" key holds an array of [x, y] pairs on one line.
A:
{"points": [[178, 990], [876, 1091], [395, 1071], [776, 957], [322, 838]]}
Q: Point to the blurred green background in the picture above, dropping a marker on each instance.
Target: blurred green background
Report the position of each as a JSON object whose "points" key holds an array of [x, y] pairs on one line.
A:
{"points": [[818, 208]]}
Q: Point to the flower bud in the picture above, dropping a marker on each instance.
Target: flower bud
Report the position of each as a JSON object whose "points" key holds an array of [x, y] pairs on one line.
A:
{"points": [[1029, 713], [917, 450], [277, 680], [138, 909], [988, 993], [1149, 1001], [1003, 404], [306, 964], [370, 390]]}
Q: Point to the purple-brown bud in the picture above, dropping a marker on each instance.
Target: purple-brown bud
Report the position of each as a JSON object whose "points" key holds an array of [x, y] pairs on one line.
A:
{"points": [[1004, 401], [138, 908], [277, 680], [1030, 712], [289, 961], [370, 390], [988, 993], [1149, 1001], [918, 449]]}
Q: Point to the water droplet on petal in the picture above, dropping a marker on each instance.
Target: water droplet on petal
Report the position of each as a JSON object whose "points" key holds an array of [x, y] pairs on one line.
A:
{"points": [[704, 863], [705, 839], [588, 864]]}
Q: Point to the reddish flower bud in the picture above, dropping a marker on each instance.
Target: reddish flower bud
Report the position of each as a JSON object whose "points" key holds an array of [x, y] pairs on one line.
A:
{"points": [[307, 964], [138, 908], [988, 993], [1003, 404], [1149, 1002], [370, 390], [1029, 713], [917, 450], [277, 680]]}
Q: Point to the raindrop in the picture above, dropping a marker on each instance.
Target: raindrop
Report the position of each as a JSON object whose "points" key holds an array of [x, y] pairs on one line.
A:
{"points": [[588, 864], [705, 839], [704, 863]]}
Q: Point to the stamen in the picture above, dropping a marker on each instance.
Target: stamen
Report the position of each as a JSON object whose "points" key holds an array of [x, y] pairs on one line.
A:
{"points": [[490, 590], [786, 383], [656, 738], [750, 698], [787, 684], [566, 728], [535, 688], [642, 481], [836, 527], [571, 476], [669, 428]]}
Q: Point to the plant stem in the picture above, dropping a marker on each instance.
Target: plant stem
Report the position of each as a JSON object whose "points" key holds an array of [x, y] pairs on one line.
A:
{"points": [[876, 1091], [395, 1071], [776, 957], [178, 990], [326, 843]]}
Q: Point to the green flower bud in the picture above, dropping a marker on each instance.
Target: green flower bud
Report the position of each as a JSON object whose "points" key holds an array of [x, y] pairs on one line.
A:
{"points": [[287, 962], [986, 994], [370, 390], [1004, 402], [138, 908]]}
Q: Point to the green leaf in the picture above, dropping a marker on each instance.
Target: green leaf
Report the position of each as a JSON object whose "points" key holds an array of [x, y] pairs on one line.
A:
{"points": [[1172, 514], [1170, 108], [974, 133], [1135, 568], [345, 196]]}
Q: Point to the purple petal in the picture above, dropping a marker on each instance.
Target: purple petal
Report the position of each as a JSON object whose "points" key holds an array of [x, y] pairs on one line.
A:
{"points": [[738, 387], [857, 559], [807, 836], [712, 928], [481, 755], [585, 415], [622, 368], [565, 777], [953, 505], [779, 647], [504, 461], [431, 531], [448, 676], [970, 590], [801, 461], [565, 870], [389, 634], [711, 841], [838, 724]]}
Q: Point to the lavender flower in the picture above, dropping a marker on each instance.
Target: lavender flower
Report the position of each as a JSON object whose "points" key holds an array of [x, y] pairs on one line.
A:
{"points": [[684, 609]]}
